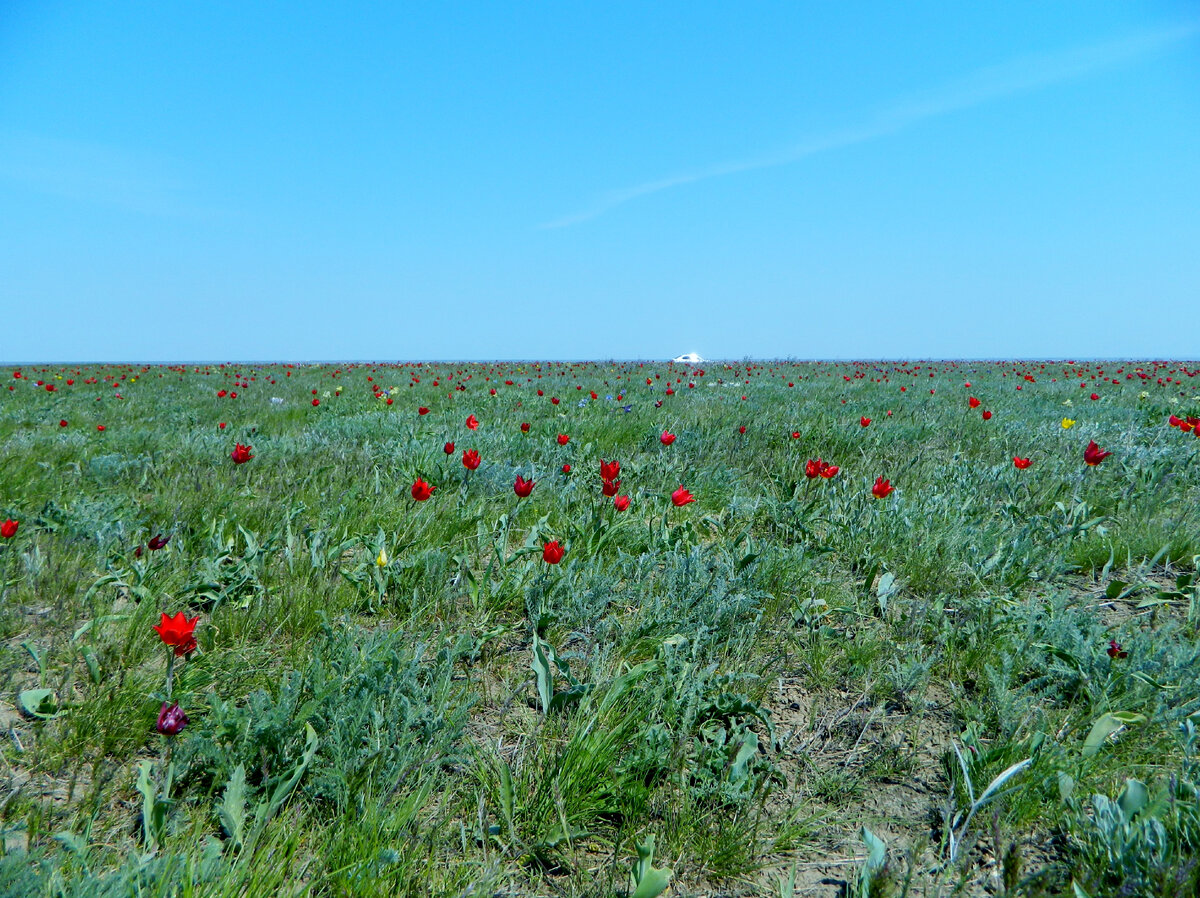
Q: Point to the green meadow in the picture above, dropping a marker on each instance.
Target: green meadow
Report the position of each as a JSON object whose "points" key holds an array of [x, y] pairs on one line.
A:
{"points": [[981, 683]]}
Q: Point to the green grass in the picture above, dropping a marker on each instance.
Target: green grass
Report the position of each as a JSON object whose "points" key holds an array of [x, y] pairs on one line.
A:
{"points": [[751, 679]]}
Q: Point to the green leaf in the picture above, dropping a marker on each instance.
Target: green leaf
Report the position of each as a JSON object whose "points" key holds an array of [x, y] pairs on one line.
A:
{"points": [[1128, 717], [507, 794], [267, 809], [887, 588], [232, 811], [563, 699], [1105, 726], [748, 559], [739, 772], [153, 810], [1066, 785], [39, 703], [1114, 589], [649, 881], [98, 620], [93, 666], [1000, 780], [653, 884], [1133, 798], [876, 851], [541, 669]]}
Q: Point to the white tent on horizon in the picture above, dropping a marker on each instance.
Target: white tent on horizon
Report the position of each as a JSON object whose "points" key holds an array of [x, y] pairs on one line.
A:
{"points": [[689, 358]]}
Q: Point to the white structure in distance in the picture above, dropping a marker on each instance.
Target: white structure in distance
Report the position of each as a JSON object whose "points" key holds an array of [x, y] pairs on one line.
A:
{"points": [[689, 358]]}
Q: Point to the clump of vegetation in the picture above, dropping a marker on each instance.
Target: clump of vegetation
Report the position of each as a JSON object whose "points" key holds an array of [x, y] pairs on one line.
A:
{"points": [[439, 633]]}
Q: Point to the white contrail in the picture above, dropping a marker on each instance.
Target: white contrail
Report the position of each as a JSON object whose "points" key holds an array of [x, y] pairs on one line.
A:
{"points": [[984, 85]]}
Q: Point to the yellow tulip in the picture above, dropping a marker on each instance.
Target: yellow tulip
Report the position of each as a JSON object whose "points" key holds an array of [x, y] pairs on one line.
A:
{"points": [[382, 559], [1068, 423]]}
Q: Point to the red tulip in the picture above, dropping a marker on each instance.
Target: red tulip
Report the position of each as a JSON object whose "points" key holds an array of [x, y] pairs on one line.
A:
{"points": [[221, 425], [812, 468], [987, 416], [422, 411], [62, 423], [241, 454], [178, 632], [422, 490], [524, 427], [472, 424], [566, 469], [1021, 463], [552, 552], [1115, 651], [882, 488], [1095, 396], [448, 448], [563, 439], [470, 459], [9, 528], [157, 542], [864, 421], [100, 427], [742, 429], [620, 503], [610, 487], [523, 487], [609, 470], [973, 402], [667, 438], [795, 434], [682, 497], [171, 720], [316, 402], [828, 470], [1093, 454]]}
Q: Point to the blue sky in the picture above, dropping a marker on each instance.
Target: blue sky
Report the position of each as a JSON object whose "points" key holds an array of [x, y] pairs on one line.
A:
{"points": [[568, 180]]}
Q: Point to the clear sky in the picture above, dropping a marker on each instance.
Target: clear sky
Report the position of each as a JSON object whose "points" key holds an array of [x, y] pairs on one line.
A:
{"points": [[568, 180]]}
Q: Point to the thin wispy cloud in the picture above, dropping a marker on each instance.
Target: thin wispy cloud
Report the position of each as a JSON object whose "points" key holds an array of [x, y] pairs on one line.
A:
{"points": [[1017, 76]]}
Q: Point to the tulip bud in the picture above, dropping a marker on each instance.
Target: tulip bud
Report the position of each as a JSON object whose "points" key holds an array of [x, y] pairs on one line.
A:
{"points": [[171, 720]]}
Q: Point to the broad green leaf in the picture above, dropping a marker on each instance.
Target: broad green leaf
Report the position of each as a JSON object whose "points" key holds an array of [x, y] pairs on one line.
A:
{"points": [[1066, 785], [653, 884], [232, 810], [739, 772], [876, 851], [1105, 726], [39, 703], [1133, 798], [146, 787], [649, 881], [541, 670]]}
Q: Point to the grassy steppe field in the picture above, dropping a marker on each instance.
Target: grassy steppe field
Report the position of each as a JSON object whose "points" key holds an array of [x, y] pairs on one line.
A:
{"points": [[984, 682]]}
